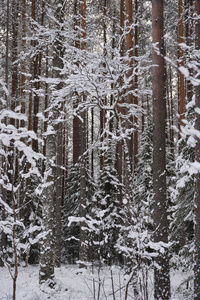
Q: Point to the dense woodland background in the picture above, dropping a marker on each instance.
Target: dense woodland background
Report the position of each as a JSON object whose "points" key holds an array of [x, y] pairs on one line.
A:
{"points": [[99, 156]]}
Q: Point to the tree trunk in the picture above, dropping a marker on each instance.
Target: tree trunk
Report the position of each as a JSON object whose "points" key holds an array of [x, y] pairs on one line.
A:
{"points": [[76, 121], [129, 45], [188, 36], [119, 148], [14, 92], [45, 109], [136, 90], [171, 104], [161, 271], [47, 247], [92, 141], [3, 161], [15, 84], [23, 69], [102, 111], [7, 46], [36, 73], [46, 271], [197, 197], [59, 193], [181, 64], [58, 64], [83, 234]]}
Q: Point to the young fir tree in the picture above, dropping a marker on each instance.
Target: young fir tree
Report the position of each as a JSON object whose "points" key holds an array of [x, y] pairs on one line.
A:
{"points": [[71, 214], [106, 212], [138, 249], [183, 194]]}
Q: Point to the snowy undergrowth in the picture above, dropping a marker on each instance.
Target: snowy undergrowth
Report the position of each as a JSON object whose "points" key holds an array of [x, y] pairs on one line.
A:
{"points": [[83, 285]]}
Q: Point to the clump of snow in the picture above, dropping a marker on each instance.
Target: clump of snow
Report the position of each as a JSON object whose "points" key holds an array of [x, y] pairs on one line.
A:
{"points": [[184, 71]]}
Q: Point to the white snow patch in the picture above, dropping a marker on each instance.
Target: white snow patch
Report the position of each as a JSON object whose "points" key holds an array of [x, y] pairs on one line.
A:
{"points": [[73, 283], [184, 71]]}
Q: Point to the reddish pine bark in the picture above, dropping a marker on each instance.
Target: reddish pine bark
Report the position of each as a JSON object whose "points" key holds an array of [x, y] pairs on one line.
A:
{"points": [[161, 274]]}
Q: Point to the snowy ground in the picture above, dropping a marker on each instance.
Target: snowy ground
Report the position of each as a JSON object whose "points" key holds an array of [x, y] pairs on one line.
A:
{"points": [[73, 285]]}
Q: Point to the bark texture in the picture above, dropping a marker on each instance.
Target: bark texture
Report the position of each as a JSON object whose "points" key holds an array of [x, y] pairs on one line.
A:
{"points": [[58, 64], [181, 64], [46, 271], [136, 88], [197, 198], [129, 45], [83, 138], [161, 271]]}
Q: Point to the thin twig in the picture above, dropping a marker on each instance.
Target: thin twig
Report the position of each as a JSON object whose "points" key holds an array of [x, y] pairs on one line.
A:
{"points": [[94, 289], [113, 289]]}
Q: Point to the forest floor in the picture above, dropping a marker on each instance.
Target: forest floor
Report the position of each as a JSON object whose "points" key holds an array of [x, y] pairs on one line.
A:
{"points": [[88, 285]]}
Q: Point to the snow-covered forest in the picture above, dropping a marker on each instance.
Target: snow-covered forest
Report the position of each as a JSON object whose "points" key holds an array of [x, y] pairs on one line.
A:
{"points": [[100, 149]]}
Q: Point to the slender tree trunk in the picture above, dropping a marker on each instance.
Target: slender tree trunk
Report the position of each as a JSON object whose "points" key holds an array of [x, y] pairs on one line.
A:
{"points": [[92, 141], [64, 158], [119, 148], [46, 271], [102, 111], [143, 114], [102, 125], [4, 163], [59, 193], [30, 103], [58, 64], [76, 135], [7, 46], [14, 245], [14, 92], [46, 114], [181, 64], [161, 271], [47, 245], [83, 234], [15, 83], [23, 69], [197, 195], [129, 45], [189, 35], [45, 109], [22, 191], [111, 121], [171, 104], [136, 90], [76, 121], [36, 73]]}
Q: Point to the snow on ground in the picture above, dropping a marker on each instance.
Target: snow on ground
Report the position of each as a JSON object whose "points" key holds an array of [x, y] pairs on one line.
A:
{"points": [[71, 284]]}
